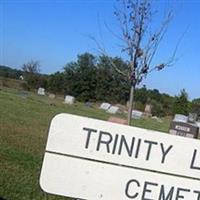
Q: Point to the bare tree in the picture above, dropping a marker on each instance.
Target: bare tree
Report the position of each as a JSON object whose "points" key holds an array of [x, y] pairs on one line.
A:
{"points": [[135, 18], [32, 67]]}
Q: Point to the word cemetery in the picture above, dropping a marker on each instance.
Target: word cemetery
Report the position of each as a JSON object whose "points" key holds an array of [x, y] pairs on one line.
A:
{"points": [[92, 159]]}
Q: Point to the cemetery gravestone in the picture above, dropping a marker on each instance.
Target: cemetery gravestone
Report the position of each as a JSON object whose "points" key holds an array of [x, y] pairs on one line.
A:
{"points": [[88, 104], [69, 99], [41, 91], [21, 78], [180, 118], [52, 96], [113, 109], [136, 114], [192, 117], [105, 106], [147, 110], [184, 129]]}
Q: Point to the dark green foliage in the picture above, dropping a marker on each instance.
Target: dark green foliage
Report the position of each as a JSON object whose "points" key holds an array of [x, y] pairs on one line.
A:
{"points": [[80, 78], [92, 78], [181, 103], [157, 109], [111, 86], [142, 95], [10, 73], [195, 106], [56, 82], [33, 78]]}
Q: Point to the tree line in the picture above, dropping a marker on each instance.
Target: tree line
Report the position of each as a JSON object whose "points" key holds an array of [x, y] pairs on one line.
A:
{"points": [[92, 78]]}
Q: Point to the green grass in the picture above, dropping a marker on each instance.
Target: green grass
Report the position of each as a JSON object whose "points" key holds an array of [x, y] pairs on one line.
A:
{"points": [[24, 124]]}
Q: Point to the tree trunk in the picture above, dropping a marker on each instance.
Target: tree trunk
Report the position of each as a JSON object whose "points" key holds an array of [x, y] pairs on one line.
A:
{"points": [[131, 99]]}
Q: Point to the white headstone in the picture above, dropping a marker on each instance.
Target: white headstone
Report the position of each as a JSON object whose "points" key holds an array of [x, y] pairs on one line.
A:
{"points": [[41, 91], [148, 108], [192, 117], [105, 106], [69, 99], [198, 124], [113, 109], [136, 114], [180, 118], [157, 119], [21, 78]]}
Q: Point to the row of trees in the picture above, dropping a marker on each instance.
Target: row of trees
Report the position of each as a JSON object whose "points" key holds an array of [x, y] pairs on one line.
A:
{"points": [[92, 78], [138, 39]]}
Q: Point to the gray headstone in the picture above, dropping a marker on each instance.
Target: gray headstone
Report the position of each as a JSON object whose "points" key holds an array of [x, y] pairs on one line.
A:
{"points": [[184, 129], [192, 117], [180, 118], [113, 109], [105, 106], [136, 114]]}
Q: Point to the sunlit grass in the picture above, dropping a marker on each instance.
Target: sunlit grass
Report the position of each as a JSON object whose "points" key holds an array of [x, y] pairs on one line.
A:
{"points": [[24, 123]]}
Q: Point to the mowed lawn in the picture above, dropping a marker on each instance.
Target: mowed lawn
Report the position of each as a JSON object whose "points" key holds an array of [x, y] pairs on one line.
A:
{"points": [[24, 123]]}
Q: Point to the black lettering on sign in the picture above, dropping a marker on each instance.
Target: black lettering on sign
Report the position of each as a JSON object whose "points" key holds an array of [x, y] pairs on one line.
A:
{"points": [[115, 144], [150, 143], [106, 141], [198, 193], [132, 183], [192, 166], [89, 131], [147, 190], [165, 152], [129, 148], [119, 144], [162, 195], [180, 196], [138, 148]]}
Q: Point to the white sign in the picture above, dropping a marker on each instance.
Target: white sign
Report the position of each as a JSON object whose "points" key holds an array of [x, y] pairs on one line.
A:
{"points": [[92, 159]]}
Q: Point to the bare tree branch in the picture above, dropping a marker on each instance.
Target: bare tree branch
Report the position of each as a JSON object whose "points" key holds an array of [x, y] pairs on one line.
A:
{"points": [[135, 18], [104, 53]]}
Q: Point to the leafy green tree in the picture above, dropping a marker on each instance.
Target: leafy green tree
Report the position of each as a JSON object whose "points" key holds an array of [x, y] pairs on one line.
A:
{"points": [[181, 103], [141, 95], [56, 82], [195, 106], [8, 72], [32, 77], [81, 77]]}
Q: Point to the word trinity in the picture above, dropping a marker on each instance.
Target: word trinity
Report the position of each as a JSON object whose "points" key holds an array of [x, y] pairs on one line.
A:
{"points": [[92, 159], [115, 144]]}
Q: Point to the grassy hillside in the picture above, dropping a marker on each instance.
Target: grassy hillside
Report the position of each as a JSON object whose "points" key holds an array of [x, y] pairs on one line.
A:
{"points": [[24, 122]]}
